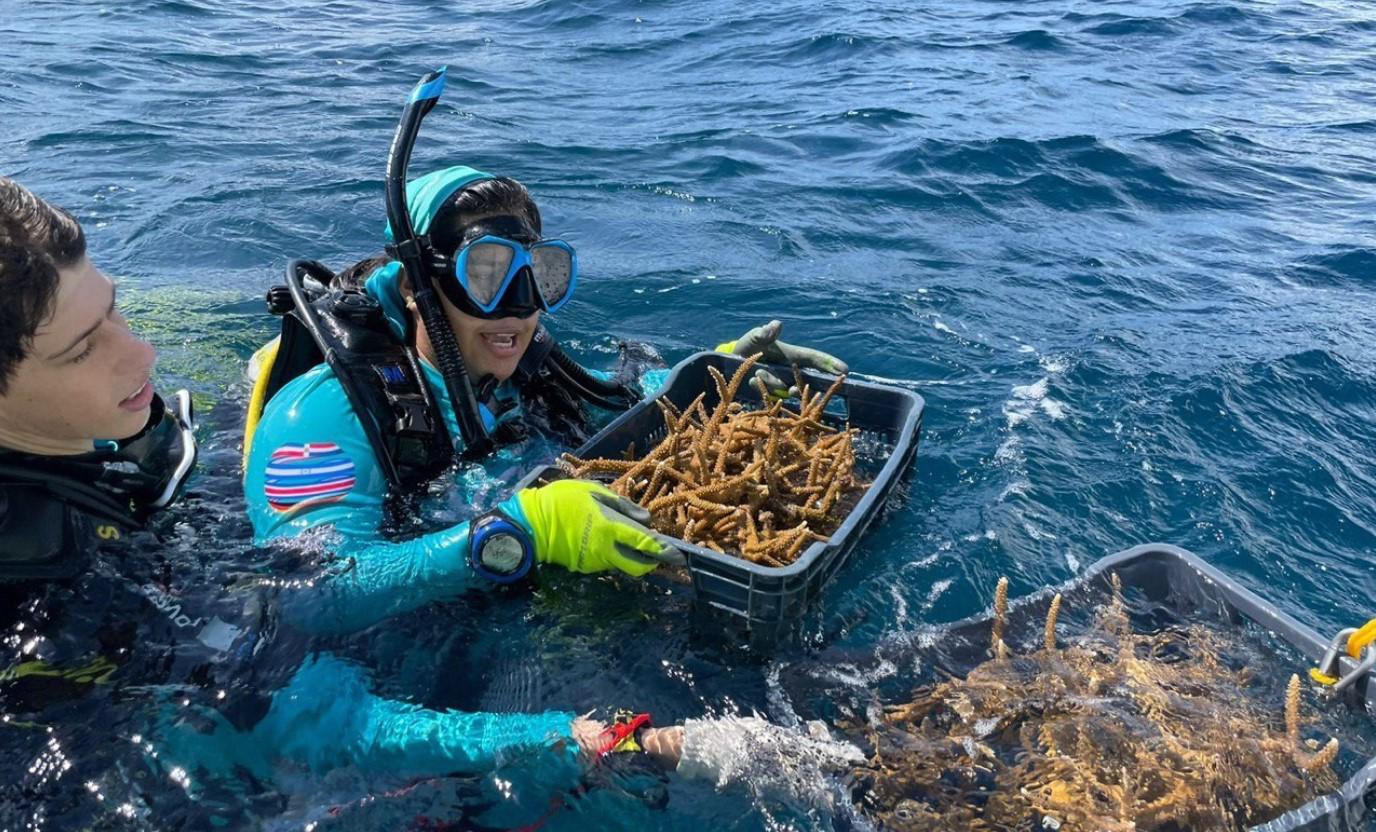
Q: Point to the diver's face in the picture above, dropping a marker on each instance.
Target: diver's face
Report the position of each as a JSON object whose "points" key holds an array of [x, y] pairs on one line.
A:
{"points": [[86, 376], [491, 347]]}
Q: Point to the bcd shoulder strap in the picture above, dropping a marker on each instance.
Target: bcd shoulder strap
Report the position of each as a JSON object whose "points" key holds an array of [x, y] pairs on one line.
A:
{"points": [[381, 377]]}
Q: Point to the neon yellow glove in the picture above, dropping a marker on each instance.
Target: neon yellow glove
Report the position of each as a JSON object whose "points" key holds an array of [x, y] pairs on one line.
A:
{"points": [[765, 339], [585, 527]]}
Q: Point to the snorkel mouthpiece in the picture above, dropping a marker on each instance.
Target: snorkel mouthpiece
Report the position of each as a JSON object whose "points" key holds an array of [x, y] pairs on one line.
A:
{"points": [[416, 259]]}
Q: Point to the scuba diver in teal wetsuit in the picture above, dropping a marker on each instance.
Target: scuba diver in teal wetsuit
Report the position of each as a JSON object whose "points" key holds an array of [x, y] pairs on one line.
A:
{"points": [[386, 376], [432, 364]]}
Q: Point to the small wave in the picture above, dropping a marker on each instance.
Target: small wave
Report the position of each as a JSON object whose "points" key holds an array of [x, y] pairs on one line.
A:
{"points": [[555, 17], [879, 116], [1214, 13], [70, 138], [996, 157], [1339, 266], [1127, 26], [1038, 40], [188, 8], [938, 589], [1058, 191], [1016, 488], [622, 51], [1320, 39], [1065, 173], [1133, 26], [709, 167], [1054, 364], [1367, 126], [839, 44], [1028, 399], [1214, 141], [824, 145]]}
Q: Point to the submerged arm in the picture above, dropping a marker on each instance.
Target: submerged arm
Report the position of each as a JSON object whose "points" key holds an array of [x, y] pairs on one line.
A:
{"points": [[327, 716]]}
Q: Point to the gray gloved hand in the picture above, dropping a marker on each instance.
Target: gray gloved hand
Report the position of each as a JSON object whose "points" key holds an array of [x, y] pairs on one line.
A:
{"points": [[769, 759], [765, 339]]}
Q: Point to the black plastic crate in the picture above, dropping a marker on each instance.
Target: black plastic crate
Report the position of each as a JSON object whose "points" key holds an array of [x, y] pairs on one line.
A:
{"points": [[763, 599], [1181, 586]]}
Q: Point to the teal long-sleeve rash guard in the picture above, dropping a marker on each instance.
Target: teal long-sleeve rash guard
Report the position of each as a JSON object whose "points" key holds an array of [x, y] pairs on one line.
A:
{"points": [[311, 466]]}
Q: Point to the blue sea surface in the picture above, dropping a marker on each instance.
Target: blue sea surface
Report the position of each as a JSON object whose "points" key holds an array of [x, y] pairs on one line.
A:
{"points": [[1125, 250]]}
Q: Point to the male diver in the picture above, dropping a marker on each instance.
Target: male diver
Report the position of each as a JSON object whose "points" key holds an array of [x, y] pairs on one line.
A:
{"points": [[71, 371]]}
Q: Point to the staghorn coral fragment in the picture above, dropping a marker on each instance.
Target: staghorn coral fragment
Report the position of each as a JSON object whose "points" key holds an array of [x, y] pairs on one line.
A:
{"points": [[660, 451], [1309, 763], [819, 405], [1292, 711], [796, 547], [602, 466], [712, 489], [728, 395], [1000, 614], [1052, 613], [724, 452], [721, 384], [668, 411], [1323, 759], [725, 479], [761, 388]]}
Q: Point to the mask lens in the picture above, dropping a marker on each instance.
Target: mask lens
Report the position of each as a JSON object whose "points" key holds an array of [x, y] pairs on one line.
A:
{"points": [[553, 269], [485, 267]]}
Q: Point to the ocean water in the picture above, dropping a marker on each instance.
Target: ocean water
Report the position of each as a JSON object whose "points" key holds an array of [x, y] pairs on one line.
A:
{"points": [[1124, 250]]}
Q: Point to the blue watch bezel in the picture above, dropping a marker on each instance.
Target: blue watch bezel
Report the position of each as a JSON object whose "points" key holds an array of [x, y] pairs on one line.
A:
{"points": [[484, 529]]}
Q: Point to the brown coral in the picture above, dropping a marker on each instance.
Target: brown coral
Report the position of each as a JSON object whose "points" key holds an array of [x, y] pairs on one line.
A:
{"points": [[1113, 731], [762, 484]]}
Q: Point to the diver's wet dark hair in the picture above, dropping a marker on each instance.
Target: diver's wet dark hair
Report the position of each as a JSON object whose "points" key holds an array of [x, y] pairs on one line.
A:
{"points": [[500, 196], [36, 240]]}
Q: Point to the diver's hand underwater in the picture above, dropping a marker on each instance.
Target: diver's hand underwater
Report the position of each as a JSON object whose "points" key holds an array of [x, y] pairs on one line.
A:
{"points": [[765, 339], [768, 757]]}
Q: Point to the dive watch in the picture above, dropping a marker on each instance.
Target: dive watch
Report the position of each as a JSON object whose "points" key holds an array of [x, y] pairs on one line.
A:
{"points": [[499, 548]]}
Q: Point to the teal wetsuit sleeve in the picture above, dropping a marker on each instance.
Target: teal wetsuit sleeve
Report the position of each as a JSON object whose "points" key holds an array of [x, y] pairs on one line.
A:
{"points": [[311, 466], [327, 717], [374, 580]]}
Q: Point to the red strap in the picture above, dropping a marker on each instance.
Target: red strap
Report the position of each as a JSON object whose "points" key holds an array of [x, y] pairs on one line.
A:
{"points": [[617, 732]]}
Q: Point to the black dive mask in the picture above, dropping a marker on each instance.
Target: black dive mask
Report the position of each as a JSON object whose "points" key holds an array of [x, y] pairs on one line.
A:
{"points": [[519, 301], [521, 297]]}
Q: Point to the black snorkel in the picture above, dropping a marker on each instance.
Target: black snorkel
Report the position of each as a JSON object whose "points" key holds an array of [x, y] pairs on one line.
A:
{"points": [[415, 257]]}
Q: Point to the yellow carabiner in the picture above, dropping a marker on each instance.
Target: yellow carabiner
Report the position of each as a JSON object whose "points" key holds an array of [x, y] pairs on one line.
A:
{"points": [[1321, 677], [1358, 641]]}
